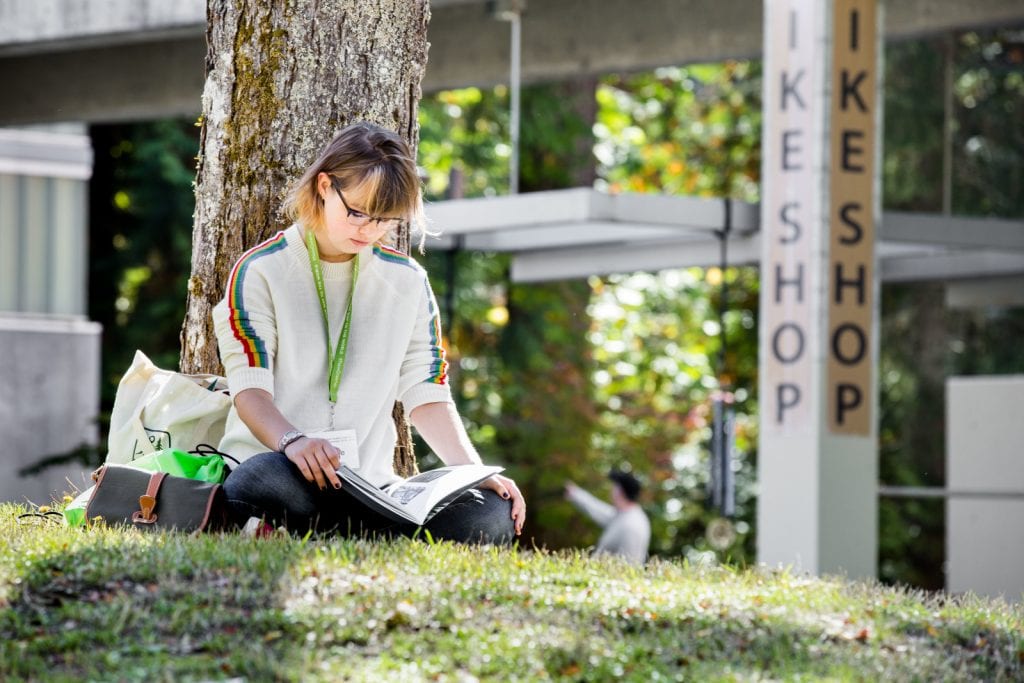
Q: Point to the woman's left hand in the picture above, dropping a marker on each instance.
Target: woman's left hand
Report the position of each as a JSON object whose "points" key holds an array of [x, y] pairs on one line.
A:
{"points": [[507, 489]]}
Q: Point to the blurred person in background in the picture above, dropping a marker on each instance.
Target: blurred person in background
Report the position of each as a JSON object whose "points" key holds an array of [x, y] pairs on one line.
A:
{"points": [[627, 531]]}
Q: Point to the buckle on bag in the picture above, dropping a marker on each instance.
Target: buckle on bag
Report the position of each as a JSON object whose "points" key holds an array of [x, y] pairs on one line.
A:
{"points": [[145, 514]]}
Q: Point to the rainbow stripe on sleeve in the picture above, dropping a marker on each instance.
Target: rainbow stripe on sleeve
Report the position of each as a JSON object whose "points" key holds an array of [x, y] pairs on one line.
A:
{"points": [[439, 367], [392, 255], [255, 348]]}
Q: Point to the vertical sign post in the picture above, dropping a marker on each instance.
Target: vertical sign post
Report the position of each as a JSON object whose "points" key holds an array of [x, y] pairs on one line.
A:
{"points": [[791, 207], [852, 219], [817, 469]]}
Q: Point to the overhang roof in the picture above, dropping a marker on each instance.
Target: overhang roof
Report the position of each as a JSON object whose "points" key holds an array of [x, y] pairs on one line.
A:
{"points": [[122, 60], [581, 231]]}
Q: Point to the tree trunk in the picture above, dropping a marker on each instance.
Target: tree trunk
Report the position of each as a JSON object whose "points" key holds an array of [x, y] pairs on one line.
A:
{"points": [[281, 79]]}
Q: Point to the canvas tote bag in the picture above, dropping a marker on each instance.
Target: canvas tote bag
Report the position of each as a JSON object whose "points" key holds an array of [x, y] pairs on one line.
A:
{"points": [[157, 409]]}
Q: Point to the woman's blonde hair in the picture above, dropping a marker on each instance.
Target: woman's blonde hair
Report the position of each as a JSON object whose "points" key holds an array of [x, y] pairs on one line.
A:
{"points": [[363, 155]]}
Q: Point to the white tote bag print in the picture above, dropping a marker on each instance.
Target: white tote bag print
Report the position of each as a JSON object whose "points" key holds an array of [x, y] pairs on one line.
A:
{"points": [[156, 409]]}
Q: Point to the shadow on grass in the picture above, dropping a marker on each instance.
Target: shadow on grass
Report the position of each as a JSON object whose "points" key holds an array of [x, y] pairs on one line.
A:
{"points": [[113, 605]]}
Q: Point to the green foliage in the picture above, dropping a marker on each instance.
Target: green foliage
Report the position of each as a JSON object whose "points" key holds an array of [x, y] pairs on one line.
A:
{"points": [[693, 130], [471, 290], [520, 354], [141, 206], [987, 99], [690, 130], [556, 143], [527, 385], [912, 151], [106, 604], [912, 372], [465, 132], [548, 413], [657, 344]]}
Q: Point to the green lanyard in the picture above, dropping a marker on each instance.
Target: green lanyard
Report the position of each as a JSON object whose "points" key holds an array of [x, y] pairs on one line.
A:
{"points": [[337, 360]]}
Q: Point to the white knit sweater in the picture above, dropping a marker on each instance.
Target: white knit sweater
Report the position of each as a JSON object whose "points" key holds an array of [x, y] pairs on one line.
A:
{"points": [[270, 333]]}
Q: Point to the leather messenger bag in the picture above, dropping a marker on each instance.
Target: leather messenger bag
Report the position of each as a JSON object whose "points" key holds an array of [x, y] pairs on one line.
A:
{"points": [[155, 500]]}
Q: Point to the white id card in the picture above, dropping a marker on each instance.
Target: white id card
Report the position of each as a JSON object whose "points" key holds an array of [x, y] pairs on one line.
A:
{"points": [[345, 441]]}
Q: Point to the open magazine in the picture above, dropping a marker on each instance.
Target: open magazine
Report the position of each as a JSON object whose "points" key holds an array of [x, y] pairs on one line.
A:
{"points": [[419, 497]]}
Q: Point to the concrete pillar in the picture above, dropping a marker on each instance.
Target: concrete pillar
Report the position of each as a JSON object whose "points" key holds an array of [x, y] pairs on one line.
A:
{"points": [[49, 403], [818, 470]]}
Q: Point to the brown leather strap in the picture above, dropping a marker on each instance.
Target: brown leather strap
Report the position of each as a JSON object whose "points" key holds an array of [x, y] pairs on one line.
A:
{"points": [[147, 501], [154, 483]]}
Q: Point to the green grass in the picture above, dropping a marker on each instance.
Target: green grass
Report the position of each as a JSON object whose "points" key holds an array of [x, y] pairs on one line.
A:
{"points": [[106, 604]]}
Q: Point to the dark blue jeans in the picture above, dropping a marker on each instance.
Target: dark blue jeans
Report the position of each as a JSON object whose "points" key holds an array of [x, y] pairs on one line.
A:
{"points": [[270, 486]]}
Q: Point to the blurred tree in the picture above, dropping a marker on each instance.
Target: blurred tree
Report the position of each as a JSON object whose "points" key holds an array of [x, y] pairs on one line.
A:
{"points": [[647, 418], [547, 417], [524, 362], [140, 216], [656, 338], [912, 152], [912, 367], [923, 342], [913, 364], [691, 130], [988, 145]]}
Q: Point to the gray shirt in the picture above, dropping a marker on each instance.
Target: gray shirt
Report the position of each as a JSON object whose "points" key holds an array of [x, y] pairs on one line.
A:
{"points": [[626, 532]]}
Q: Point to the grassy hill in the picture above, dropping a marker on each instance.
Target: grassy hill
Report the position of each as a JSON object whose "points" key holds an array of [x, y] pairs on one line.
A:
{"points": [[105, 604]]}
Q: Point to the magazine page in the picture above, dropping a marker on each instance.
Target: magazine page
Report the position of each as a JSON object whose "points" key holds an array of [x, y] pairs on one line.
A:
{"points": [[416, 499], [421, 494], [372, 496]]}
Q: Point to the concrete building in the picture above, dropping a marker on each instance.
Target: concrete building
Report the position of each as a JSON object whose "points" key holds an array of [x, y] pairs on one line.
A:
{"points": [[49, 367]]}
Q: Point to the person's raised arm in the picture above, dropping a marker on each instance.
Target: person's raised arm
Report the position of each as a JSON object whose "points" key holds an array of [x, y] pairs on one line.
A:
{"points": [[316, 458], [440, 426], [595, 508]]}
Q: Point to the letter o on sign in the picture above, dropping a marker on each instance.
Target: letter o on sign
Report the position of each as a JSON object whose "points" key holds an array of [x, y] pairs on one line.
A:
{"points": [[788, 355], [847, 355]]}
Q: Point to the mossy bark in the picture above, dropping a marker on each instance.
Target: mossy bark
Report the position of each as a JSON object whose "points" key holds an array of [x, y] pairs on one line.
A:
{"points": [[281, 79]]}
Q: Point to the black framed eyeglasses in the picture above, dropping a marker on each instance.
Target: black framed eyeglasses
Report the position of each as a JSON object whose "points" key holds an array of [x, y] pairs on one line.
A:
{"points": [[360, 219]]}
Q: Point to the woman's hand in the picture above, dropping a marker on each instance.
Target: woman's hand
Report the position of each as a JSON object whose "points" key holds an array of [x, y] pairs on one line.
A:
{"points": [[441, 427], [507, 489], [317, 459]]}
